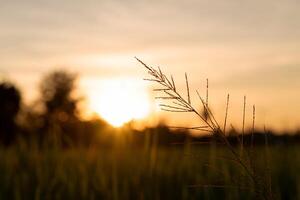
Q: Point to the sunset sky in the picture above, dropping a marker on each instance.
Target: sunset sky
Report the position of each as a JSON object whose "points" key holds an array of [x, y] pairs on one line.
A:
{"points": [[243, 47]]}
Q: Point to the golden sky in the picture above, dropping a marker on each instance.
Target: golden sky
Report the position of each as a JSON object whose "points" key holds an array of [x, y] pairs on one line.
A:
{"points": [[243, 47]]}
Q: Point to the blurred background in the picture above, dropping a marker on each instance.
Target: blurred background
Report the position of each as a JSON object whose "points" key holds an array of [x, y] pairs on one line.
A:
{"points": [[244, 48]]}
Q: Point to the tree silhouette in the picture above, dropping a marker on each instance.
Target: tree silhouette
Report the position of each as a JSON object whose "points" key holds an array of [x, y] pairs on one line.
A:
{"points": [[56, 90], [10, 99], [60, 106]]}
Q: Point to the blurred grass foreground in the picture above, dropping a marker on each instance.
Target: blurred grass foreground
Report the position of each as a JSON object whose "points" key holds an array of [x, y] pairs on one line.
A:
{"points": [[48, 152], [139, 173]]}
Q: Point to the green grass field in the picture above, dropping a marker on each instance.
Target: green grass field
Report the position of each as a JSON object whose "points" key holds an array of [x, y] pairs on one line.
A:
{"points": [[140, 173]]}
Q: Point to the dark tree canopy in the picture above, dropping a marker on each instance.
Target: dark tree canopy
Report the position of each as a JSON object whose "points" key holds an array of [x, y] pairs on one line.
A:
{"points": [[60, 117], [10, 100], [56, 91]]}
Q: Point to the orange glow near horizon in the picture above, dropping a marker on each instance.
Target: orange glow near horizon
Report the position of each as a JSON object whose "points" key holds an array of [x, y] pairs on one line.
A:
{"points": [[119, 101], [241, 53]]}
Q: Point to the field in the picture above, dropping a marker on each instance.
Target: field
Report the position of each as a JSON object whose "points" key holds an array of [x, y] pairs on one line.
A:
{"points": [[122, 172]]}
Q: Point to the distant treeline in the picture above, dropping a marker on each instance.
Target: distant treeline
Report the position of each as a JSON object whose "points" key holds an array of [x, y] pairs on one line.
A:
{"points": [[54, 120]]}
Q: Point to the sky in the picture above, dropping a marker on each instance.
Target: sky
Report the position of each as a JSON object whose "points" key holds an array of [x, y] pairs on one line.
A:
{"points": [[243, 47]]}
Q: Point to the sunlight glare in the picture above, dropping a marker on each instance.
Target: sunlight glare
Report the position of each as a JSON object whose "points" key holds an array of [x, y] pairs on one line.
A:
{"points": [[121, 100]]}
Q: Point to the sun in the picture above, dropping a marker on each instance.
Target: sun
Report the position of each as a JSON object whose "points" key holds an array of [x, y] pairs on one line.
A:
{"points": [[121, 100]]}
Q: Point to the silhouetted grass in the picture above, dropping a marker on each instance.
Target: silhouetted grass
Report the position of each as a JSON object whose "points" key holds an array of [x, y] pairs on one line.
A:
{"points": [[140, 173], [174, 101]]}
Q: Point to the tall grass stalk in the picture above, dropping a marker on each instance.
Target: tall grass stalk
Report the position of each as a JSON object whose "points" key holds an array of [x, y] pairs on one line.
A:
{"points": [[175, 102], [243, 128]]}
